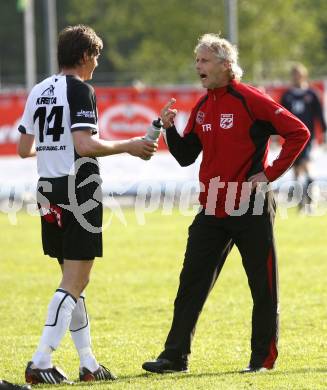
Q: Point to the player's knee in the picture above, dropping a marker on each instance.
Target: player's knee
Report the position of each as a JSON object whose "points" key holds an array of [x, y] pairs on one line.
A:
{"points": [[79, 285], [75, 283]]}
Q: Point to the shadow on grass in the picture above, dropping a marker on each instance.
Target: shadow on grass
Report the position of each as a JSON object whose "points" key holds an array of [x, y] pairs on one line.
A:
{"points": [[182, 376], [178, 376], [300, 371]]}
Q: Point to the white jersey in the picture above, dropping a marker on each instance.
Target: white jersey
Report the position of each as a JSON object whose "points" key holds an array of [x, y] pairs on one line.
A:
{"points": [[54, 109]]}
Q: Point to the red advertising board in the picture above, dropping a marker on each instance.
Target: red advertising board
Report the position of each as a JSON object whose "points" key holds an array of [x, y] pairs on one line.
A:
{"points": [[11, 109], [123, 112], [127, 112]]}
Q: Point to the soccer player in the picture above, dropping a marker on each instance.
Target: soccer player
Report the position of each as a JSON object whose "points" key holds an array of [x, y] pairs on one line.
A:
{"points": [[303, 102], [61, 118], [231, 124]]}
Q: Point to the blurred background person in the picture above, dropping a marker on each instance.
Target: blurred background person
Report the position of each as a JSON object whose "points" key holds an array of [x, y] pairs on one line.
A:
{"points": [[304, 103]]}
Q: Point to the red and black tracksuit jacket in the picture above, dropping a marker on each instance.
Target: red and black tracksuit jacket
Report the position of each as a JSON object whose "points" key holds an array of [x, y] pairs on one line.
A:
{"points": [[232, 126]]}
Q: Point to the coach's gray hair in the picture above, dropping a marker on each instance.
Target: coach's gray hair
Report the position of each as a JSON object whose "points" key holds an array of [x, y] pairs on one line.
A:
{"points": [[223, 50]]}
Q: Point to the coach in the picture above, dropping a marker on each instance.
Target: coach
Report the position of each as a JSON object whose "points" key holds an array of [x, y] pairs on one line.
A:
{"points": [[231, 124]]}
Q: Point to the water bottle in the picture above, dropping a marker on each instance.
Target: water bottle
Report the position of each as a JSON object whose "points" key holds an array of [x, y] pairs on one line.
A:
{"points": [[153, 132]]}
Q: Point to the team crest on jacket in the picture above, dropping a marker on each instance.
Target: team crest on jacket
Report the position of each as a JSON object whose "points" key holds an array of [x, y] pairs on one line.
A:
{"points": [[200, 117], [226, 121]]}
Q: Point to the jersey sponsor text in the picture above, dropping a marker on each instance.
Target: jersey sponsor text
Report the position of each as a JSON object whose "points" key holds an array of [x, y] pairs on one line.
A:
{"points": [[86, 114], [50, 148], [46, 100]]}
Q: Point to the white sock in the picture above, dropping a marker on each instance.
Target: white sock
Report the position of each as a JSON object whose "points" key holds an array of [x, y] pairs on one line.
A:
{"points": [[59, 317], [81, 335]]}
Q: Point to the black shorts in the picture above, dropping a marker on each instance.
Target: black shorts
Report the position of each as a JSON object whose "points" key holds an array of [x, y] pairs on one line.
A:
{"points": [[71, 228]]}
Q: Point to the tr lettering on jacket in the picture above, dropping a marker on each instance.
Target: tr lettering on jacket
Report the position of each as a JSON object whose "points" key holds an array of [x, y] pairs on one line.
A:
{"points": [[206, 127]]}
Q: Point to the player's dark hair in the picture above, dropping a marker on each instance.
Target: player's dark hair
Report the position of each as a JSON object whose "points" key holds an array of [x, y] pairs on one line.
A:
{"points": [[73, 42]]}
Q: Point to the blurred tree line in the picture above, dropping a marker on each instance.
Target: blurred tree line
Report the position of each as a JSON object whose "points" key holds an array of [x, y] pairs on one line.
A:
{"points": [[152, 40]]}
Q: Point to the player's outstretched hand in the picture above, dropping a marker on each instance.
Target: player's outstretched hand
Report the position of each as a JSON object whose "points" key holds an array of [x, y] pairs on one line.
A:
{"points": [[139, 147]]}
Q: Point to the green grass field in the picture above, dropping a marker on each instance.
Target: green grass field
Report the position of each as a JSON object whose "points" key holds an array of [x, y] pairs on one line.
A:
{"points": [[131, 298]]}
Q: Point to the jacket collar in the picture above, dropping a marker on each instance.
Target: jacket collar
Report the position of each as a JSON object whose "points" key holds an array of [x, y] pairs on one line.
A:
{"points": [[218, 92]]}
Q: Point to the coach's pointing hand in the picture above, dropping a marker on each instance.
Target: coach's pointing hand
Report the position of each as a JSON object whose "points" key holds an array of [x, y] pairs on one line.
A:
{"points": [[168, 114]]}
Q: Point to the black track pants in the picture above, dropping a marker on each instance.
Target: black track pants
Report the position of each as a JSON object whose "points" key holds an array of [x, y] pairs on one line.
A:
{"points": [[210, 241]]}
